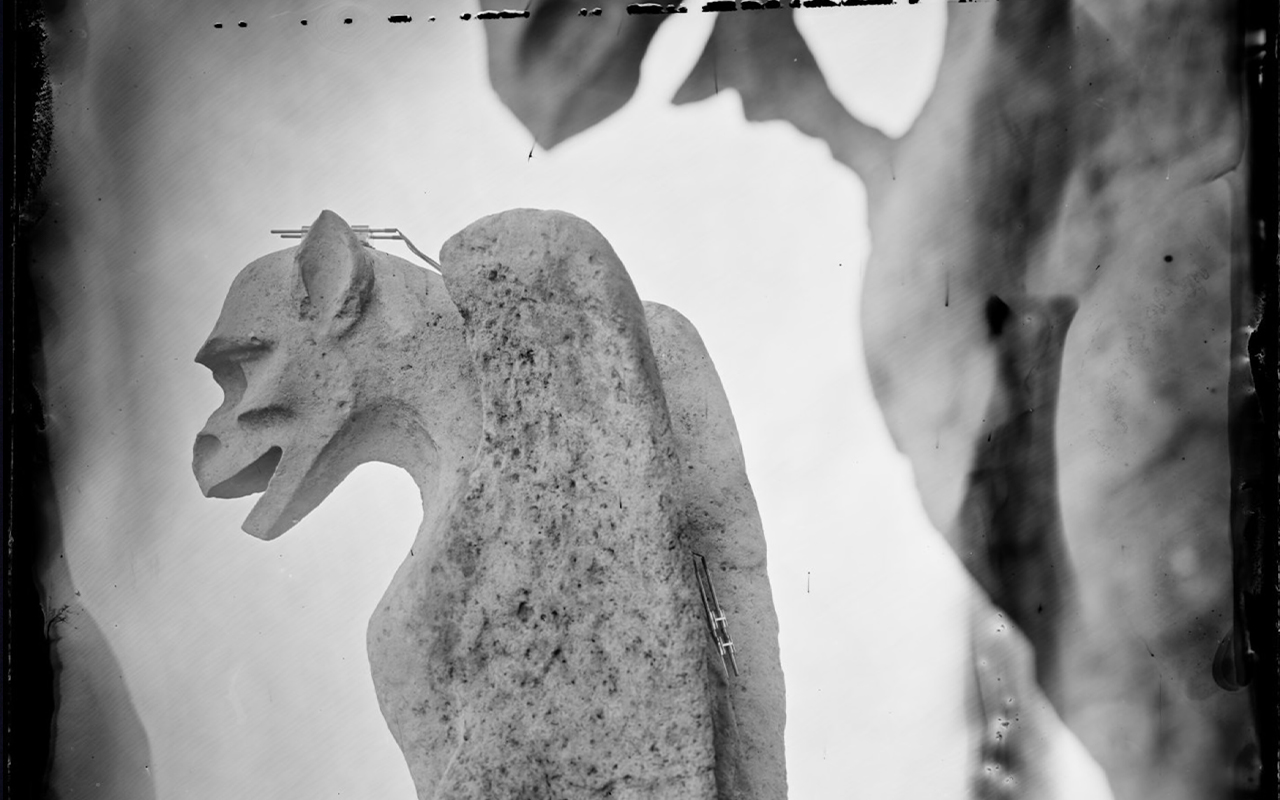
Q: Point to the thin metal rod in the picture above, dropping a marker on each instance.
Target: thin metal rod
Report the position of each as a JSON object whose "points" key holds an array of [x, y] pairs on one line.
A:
{"points": [[717, 623], [420, 254], [369, 233]]}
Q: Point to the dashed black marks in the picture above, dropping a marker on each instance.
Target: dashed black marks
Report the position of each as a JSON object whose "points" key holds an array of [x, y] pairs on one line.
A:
{"points": [[503, 14], [656, 8], [714, 6]]}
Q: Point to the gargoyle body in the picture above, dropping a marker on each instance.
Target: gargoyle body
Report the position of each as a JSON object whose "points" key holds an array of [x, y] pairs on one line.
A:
{"points": [[544, 638]]}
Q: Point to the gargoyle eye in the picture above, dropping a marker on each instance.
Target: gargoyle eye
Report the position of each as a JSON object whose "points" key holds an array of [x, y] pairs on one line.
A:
{"points": [[225, 359]]}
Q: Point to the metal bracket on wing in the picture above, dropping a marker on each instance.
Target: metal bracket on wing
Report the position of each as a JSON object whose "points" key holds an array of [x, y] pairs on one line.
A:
{"points": [[365, 233], [716, 621]]}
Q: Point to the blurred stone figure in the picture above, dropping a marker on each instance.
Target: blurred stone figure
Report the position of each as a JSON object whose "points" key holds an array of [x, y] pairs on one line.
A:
{"points": [[544, 638], [1082, 150], [1009, 536]]}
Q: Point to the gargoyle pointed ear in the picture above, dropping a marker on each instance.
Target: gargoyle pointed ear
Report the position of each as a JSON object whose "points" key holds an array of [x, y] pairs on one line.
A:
{"points": [[336, 274]]}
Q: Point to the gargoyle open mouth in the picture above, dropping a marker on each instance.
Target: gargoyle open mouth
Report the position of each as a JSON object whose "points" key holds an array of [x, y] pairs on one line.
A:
{"points": [[282, 504], [250, 480]]}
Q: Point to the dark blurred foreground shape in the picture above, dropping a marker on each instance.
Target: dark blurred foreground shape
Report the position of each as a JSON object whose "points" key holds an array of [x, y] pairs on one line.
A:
{"points": [[69, 718], [1113, 498]]}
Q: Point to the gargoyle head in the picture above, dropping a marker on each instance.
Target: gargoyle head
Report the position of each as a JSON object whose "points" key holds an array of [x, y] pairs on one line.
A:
{"points": [[279, 351]]}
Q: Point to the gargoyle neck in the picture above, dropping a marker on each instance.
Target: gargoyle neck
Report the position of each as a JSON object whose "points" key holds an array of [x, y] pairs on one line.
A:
{"points": [[414, 381], [424, 418]]}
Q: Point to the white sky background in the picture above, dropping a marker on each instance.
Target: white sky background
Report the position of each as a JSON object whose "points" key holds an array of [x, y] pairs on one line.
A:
{"points": [[247, 659]]}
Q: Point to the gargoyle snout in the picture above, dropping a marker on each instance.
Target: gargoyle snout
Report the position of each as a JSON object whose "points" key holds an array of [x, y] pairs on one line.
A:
{"points": [[207, 447]]}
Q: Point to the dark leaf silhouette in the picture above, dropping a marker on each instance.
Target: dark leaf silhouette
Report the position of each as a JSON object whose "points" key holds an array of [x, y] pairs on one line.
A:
{"points": [[560, 73], [765, 58]]}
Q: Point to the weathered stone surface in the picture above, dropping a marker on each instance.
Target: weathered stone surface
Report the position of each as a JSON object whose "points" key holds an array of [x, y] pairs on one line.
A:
{"points": [[544, 638], [560, 629], [721, 523]]}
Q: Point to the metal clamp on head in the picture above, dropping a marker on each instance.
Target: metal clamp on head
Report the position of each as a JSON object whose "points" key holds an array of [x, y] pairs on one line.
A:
{"points": [[365, 233]]}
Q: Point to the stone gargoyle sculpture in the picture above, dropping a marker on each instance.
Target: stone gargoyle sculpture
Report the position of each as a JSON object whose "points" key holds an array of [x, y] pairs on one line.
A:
{"points": [[545, 637]]}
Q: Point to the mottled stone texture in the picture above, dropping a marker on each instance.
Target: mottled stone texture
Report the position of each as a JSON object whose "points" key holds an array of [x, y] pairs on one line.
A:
{"points": [[560, 630], [721, 523], [545, 637]]}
